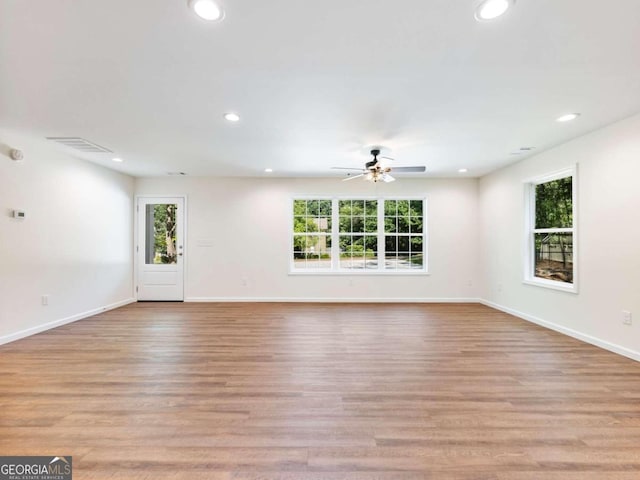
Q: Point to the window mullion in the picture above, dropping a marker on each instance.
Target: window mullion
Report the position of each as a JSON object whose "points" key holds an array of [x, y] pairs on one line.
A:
{"points": [[380, 235], [335, 235]]}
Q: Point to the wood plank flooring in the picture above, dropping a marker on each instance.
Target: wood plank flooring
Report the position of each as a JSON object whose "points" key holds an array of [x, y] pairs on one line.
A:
{"points": [[320, 392]]}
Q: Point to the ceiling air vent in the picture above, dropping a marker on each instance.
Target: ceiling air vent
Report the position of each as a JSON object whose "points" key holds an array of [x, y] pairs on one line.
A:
{"points": [[176, 174], [80, 144]]}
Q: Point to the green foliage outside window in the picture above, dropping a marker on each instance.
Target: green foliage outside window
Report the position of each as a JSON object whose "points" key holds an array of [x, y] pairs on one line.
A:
{"points": [[554, 204], [358, 217], [164, 229], [554, 210], [360, 229], [311, 216]]}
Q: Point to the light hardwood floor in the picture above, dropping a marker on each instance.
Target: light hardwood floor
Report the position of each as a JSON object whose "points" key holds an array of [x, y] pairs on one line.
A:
{"points": [[320, 392]]}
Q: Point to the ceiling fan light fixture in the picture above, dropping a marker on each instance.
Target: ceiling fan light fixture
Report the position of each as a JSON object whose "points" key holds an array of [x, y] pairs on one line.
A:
{"points": [[207, 9], [491, 9]]}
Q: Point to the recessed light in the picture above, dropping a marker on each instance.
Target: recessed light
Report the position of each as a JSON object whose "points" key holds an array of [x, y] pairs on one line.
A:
{"points": [[268, 170], [117, 160], [568, 117], [463, 170], [207, 9], [232, 117], [491, 9]]}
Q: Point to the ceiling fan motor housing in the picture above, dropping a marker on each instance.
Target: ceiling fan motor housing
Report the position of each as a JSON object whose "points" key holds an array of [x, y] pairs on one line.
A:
{"points": [[370, 165]]}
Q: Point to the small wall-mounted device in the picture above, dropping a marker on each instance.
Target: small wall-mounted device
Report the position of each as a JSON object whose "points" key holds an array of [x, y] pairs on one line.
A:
{"points": [[16, 154], [21, 214]]}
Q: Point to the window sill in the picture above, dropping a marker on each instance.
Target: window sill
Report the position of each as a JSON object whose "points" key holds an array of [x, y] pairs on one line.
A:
{"points": [[371, 273], [550, 284]]}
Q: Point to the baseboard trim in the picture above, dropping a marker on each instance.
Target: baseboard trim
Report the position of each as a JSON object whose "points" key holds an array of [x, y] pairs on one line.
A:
{"points": [[326, 300], [612, 347], [12, 337]]}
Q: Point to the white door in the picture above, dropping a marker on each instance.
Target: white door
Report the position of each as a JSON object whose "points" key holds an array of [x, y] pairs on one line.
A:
{"points": [[160, 248]]}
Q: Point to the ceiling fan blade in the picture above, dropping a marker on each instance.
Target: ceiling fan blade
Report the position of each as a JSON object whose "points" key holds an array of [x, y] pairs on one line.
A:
{"points": [[346, 168], [387, 158], [351, 178], [388, 178], [410, 169]]}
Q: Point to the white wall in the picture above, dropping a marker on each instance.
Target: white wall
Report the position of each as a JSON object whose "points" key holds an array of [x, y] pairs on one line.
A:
{"points": [[609, 239], [248, 223], [75, 244]]}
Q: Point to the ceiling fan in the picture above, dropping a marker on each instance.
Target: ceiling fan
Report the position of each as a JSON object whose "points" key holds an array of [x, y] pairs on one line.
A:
{"points": [[374, 171]]}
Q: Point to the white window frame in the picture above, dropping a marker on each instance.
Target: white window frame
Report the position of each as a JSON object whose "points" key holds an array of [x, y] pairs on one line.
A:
{"points": [[530, 230], [335, 238]]}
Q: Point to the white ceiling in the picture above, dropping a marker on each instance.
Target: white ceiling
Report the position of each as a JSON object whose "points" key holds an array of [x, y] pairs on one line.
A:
{"points": [[315, 81]]}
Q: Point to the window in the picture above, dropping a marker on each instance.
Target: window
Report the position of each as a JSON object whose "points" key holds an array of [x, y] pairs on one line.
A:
{"points": [[358, 234], [160, 234], [312, 234], [403, 227], [551, 233], [365, 235]]}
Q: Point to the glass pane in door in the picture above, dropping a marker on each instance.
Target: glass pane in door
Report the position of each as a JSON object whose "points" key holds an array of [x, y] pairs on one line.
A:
{"points": [[160, 234]]}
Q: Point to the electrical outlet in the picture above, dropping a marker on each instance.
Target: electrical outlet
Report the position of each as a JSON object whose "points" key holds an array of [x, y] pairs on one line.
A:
{"points": [[243, 282], [45, 300], [499, 287], [470, 283], [627, 318]]}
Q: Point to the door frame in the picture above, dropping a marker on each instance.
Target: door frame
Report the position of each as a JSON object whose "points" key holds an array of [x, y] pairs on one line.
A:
{"points": [[136, 249]]}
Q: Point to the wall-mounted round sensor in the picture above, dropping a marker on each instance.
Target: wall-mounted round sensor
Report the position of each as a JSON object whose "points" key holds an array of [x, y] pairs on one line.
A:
{"points": [[16, 154]]}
